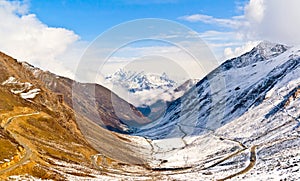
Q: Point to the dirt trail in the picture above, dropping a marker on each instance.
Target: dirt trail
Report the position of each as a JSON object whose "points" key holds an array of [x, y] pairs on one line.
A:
{"points": [[184, 135], [229, 156], [170, 171], [145, 171], [224, 159], [28, 152], [252, 159], [151, 145]]}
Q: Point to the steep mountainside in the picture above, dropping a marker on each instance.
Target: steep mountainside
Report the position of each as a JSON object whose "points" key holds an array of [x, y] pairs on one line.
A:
{"points": [[40, 135], [92, 101], [247, 127], [230, 90]]}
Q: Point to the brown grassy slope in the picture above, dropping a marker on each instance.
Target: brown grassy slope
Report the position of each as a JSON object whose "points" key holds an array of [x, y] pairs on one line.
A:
{"points": [[94, 102], [54, 132]]}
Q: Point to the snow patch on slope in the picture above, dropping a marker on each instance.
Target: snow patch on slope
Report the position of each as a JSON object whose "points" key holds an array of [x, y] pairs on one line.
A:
{"points": [[24, 89], [30, 94]]}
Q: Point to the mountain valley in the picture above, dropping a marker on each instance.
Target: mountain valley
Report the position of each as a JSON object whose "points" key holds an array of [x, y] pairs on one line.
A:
{"points": [[240, 122]]}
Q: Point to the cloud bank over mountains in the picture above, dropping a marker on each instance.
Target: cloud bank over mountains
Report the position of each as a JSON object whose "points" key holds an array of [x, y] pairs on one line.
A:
{"points": [[272, 20]]}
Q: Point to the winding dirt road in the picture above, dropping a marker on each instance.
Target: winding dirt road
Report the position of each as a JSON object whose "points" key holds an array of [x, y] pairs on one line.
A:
{"points": [[252, 159], [184, 135], [170, 171], [28, 152]]}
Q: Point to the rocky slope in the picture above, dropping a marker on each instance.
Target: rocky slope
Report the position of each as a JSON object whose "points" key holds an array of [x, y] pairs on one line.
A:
{"points": [[92, 101], [241, 121], [230, 90], [42, 136]]}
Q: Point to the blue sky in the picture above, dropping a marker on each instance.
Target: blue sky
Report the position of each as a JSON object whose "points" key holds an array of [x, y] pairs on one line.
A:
{"points": [[55, 34], [89, 18]]}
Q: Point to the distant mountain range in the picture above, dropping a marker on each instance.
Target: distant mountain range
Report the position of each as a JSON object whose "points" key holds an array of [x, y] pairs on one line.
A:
{"points": [[141, 81], [149, 92], [241, 121]]}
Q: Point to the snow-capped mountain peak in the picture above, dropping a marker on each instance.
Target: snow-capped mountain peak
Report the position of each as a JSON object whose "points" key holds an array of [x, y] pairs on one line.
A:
{"points": [[140, 81], [148, 91], [247, 79], [262, 52], [270, 50], [257, 107]]}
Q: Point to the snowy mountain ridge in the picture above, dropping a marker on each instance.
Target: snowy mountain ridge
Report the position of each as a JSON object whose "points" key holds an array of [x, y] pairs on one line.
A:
{"points": [[139, 81], [145, 89], [250, 75], [254, 120], [262, 52]]}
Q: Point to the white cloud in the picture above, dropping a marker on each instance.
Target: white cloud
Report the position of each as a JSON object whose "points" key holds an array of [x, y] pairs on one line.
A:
{"points": [[26, 38], [147, 2], [149, 59], [18, 7], [233, 22], [272, 20], [218, 41], [237, 51], [255, 10]]}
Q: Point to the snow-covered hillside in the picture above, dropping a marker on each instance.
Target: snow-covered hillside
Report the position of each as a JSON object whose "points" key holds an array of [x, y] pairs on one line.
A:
{"points": [[246, 81], [246, 128]]}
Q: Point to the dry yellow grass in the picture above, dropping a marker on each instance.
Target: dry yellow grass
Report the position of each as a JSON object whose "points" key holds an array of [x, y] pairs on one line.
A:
{"points": [[46, 138], [8, 149], [47, 129]]}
